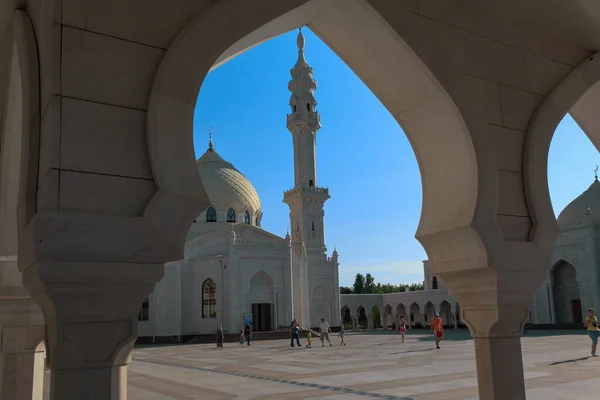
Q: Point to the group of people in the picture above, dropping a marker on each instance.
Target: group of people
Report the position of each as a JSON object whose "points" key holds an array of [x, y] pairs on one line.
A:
{"points": [[324, 333], [437, 328]]}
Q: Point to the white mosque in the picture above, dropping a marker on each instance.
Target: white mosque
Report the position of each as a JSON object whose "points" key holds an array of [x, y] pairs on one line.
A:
{"points": [[234, 272]]}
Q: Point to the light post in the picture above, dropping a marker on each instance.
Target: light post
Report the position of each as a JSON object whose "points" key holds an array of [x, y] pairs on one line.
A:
{"points": [[223, 266]]}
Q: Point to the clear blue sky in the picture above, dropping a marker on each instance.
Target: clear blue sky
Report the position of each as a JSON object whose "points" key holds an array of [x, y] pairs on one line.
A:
{"points": [[362, 155]]}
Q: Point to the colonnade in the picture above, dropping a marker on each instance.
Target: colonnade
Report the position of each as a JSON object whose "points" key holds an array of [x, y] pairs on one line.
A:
{"points": [[99, 186]]}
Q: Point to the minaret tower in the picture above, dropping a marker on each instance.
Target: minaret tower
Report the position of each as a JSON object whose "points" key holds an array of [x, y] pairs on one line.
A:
{"points": [[306, 199]]}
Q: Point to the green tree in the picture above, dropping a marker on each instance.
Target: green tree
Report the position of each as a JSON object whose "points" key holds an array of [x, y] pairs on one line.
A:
{"points": [[359, 284], [345, 290], [369, 284]]}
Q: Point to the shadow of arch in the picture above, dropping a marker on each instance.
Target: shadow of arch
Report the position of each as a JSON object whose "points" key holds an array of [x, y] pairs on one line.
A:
{"points": [[405, 86]]}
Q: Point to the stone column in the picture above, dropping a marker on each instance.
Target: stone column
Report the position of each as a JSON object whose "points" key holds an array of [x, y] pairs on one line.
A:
{"points": [[454, 318], [91, 315], [22, 363], [494, 306]]}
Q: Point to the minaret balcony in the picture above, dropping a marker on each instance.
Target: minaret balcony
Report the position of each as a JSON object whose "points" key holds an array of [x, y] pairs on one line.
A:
{"points": [[308, 191], [309, 116]]}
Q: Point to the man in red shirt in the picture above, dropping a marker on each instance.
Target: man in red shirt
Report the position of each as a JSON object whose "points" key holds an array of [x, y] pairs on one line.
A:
{"points": [[437, 326]]}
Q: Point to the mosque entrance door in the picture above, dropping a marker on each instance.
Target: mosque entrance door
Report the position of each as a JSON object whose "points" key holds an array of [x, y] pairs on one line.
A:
{"points": [[576, 311], [261, 316]]}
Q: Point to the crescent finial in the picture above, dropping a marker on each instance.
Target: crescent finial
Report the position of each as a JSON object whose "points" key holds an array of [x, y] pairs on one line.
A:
{"points": [[596, 173]]}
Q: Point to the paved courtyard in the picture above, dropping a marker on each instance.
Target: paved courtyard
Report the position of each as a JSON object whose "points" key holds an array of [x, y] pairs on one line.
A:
{"points": [[371, 366]]}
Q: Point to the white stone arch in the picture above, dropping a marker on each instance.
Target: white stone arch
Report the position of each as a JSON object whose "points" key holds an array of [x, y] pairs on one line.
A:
{"points": [[19, 157], [262, 288], [578, 92], [387, 313], [566, 289], [406, 87], [350, 322], [414, 314], [362, 316], [446, 313], [402, 310], [20, 139], [320, 306], [428, 312]]}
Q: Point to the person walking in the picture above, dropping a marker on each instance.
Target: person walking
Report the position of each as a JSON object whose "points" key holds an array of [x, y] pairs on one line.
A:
{"points": [[248, 334], [325, 331], [437, 326], [242, 338], [341, 335], [309, 339], [295, 333], [220, 337], [591, 324], [402, 327]]}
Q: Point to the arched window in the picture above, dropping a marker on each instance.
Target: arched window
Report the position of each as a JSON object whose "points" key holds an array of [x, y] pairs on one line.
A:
{"points": [[308, 106], [209, 299], [313, 226], [311, 183], [144, 314], [434, 283], [246, 217], [230, 215], [211, 215], [294, 108]]}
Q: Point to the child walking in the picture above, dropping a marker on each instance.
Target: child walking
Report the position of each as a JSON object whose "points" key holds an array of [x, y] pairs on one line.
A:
{"points": [[242, 338], [309, 339], [341, 336]]}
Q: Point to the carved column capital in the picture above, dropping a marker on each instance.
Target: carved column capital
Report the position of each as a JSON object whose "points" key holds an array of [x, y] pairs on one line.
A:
{"points": [[90, 309]]}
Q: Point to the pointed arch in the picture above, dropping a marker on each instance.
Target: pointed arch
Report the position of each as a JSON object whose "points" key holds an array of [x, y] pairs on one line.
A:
{"points": [[566, 293], [209, 299], [144, 314], [211, 214], [399, 78], [231, 217]]}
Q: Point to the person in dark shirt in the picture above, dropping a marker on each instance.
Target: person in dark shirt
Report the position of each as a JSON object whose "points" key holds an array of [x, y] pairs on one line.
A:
{"points": [[295, 331], [248, 334]]}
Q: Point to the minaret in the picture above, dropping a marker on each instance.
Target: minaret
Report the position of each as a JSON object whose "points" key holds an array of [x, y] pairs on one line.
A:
{"points": [[306, 199]]}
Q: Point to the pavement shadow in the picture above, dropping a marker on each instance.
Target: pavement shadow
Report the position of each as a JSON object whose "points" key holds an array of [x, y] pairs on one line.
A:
{"points": [[570, 361]]}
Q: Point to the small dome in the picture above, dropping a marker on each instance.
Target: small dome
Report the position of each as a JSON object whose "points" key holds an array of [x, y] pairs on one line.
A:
{"points": [[584, 210], [225, 186]]}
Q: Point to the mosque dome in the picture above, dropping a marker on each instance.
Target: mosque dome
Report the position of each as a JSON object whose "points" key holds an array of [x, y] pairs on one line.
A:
{"points": [[584, 210], [226, 187]]}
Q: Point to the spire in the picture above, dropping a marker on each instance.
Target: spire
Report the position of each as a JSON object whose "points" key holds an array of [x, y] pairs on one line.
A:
{"points": [[300, 43], [596, 173], [210, 142]]}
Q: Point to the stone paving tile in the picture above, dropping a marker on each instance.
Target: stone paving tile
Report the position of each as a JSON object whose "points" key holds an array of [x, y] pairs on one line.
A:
{"points": [[373, 366]]}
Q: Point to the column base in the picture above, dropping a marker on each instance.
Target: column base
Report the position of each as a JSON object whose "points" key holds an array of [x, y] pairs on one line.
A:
{"points": [[500, 368], [104, 383]]}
